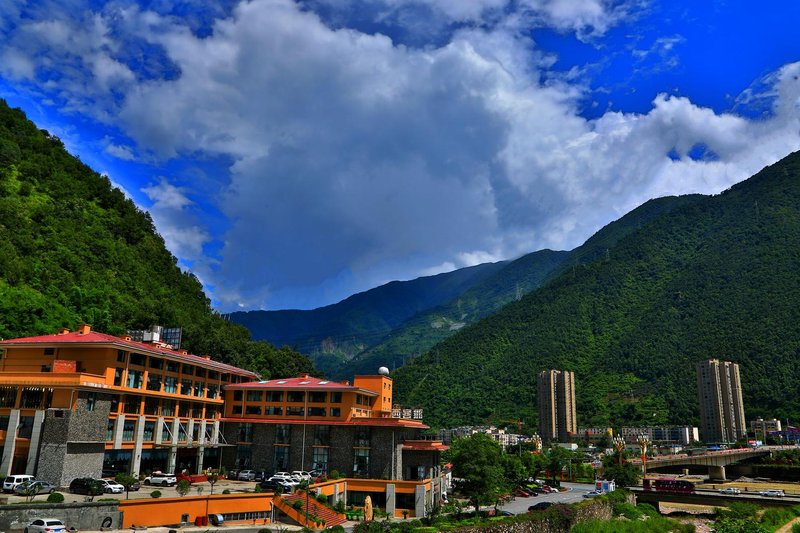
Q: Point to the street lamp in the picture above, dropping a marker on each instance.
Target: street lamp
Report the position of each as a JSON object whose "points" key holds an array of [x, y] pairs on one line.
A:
{"points": [[643, 442], [619, 446], [536, 440]]}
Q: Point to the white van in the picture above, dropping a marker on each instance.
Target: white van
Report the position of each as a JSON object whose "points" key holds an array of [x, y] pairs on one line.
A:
{"points": [[11, 482]]}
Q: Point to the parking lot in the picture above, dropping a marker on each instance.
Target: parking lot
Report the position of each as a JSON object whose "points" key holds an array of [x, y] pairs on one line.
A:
{"points": [[144, 492]]}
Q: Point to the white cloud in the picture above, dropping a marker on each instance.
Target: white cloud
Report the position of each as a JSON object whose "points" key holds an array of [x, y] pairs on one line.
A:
{"points": [[355, 160]]}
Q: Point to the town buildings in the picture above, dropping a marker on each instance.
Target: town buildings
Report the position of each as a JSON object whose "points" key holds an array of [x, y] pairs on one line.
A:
{"points": [[662, 435], [501, 435], [762, 429], [557, 421], [719, 388]]}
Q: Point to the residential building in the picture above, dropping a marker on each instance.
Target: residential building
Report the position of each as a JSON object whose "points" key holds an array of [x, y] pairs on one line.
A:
{"points": [[556, 398], [661, 435], [763, 428], [78, 403], [719, 389], [500, 435], [595, 434]]}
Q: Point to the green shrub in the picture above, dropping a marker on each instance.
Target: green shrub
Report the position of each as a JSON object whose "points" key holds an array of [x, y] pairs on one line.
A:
{"points": [[226, 491], [335, 474], [774, 516], [627, 510], [55, 497], [796, 528], [335, 529], [322, 498], [339, 506], [424, 529], [155, 494], [297, 504]]}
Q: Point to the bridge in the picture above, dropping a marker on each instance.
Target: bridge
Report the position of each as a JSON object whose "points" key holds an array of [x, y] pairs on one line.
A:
{"points": [[710, 497], [716, 461]]}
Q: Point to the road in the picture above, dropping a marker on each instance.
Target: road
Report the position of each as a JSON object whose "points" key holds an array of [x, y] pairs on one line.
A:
{"points": [[575, 494]]}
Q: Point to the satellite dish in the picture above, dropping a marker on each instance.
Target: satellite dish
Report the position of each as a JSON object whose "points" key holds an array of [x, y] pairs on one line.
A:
{"points": [[383, 371]]}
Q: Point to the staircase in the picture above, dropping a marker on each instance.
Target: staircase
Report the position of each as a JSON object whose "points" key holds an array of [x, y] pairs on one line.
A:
{"points": [[331, 517]]}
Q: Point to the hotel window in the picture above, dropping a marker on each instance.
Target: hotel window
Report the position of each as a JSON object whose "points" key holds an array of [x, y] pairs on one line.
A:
{"points": [[274, 396], [294, 411], [273, 410], [237, 396], [295, 396], [117, 377], [236, 410], [171, 384], [198, 389], [200, 372], [282, 433], [213, 375], [114, 404], [254, 396], [211, 411], [110, 429], [280, 458], [316, 411], [135, 379], [335, 411], [120, 356], [172, 366], [127, 430], [361, 462], [36, 398], [137, 359], [156, 363], [149, 430], [151, 406], [165, 434], [336, 397], [212, 392], [319, 459], [8, 396], [154, 382], [244, 456], [245, 432], [253, 410], [182, 433], [188, 370], [91, 400], [133, 404], [186, 387], [226, 378], [316, 397], [49, 351], [183, 409], [322, 435], [197, 410], [362, 436], [168, 408]]}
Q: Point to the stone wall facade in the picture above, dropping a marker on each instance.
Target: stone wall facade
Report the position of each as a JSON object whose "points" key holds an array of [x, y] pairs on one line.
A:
{"points": [[88, 516]]}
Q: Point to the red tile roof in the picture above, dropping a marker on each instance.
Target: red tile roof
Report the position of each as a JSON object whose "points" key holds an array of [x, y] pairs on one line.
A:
{"points": [[300, 383], [96, 338]]}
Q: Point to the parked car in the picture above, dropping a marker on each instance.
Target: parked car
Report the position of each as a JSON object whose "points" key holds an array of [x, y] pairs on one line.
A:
{"points": [[521, 493], [46, 525], [547, 489], [35, 487], [261, 475], [773, 493], [111, 487], [11, 482], [301, 475], [287, 480], [541, 506], [232, 473], [159, 478], [246, 475], [503, 512], [593, 493], [83, 485], [275, 485], [730, 490]]}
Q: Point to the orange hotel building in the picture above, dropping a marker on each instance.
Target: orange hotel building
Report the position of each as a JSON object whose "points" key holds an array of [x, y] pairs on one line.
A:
{"points": [[84, 403]]}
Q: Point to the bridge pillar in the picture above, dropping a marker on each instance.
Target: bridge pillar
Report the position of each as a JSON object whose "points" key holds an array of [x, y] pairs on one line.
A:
{"points": [[716, 472]]}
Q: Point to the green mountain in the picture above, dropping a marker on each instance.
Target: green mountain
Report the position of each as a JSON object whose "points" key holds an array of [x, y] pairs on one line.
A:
{"points": [[422, 331], [74, 249], [337, 332], [715, 277]]}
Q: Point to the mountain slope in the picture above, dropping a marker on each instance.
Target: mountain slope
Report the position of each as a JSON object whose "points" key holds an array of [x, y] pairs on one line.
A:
{"points": [[334, 332], [516, 279], [74, 249], [425, 329], [717, 277]]}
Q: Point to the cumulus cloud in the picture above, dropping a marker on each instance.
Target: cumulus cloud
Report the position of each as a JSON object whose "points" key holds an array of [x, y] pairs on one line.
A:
{"points": [[355, 160]]}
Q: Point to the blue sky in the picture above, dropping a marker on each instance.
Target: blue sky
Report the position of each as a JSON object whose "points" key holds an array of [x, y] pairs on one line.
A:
{"points": [[293, 153]]}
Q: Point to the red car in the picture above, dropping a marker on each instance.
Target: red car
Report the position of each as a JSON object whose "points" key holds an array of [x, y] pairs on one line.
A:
{"points": [[521, 493]]}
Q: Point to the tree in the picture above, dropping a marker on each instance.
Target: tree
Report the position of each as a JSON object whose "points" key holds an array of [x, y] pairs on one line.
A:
{"points": [[625, 475], [126, 480], [183, 487], [27, 489], [95, 488], [212, 476], [478, 469]]}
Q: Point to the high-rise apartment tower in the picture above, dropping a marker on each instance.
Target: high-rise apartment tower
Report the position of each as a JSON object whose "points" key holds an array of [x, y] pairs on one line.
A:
{"points": [[721, 407], [557, 405]]}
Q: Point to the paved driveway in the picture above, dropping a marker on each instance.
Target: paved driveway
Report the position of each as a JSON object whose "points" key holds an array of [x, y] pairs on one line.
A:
{"points": [[574, 494]]}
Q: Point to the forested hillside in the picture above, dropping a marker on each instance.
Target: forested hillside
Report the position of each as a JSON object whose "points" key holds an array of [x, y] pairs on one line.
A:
{"points": [[717, 277], [74, 249], [333, 334]]}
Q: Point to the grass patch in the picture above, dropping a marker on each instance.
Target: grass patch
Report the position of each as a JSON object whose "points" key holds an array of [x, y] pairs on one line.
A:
{"points": [[657, 524]]}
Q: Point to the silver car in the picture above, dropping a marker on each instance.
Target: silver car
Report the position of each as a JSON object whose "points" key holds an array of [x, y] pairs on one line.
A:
{"points": [[46, 525], [35, 487]]}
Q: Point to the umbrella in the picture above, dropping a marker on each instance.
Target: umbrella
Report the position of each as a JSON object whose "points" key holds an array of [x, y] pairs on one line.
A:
{"points": [[368, 509]]}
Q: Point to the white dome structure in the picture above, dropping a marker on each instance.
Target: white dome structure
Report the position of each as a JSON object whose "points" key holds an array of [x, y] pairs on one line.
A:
{"points": [[383, 371]]}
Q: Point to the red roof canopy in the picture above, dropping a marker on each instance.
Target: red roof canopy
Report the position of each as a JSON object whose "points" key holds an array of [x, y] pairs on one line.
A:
{"points": [[96, 338], [300, 383]]}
